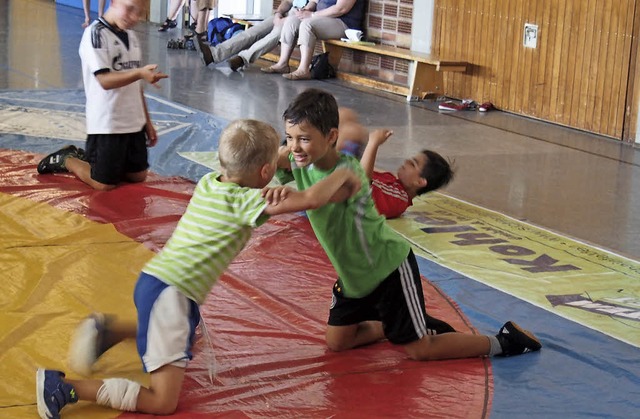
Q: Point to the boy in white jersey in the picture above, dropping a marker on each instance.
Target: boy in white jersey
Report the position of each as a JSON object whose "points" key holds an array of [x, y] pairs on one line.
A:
{"points": [[215, 227], [378, 293], [119, 128]]}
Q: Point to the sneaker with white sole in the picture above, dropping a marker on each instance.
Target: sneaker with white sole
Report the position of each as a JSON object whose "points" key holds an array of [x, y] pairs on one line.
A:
{"points": [[515, 340], [54, 162], [52, 393], [465, 105], [89, 343]]}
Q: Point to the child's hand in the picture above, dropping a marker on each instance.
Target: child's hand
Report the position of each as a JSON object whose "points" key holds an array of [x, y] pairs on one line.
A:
{"points": [[379, 136], [275, 195], [150, 74], [152, 135]]}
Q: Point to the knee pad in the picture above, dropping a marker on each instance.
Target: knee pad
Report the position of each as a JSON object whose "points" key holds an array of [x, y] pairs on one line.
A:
{"points": [[119, 393]]}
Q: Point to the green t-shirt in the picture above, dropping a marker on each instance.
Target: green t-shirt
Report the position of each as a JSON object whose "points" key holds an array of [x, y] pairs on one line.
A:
{"points": [[215, 227], [363, 250]]}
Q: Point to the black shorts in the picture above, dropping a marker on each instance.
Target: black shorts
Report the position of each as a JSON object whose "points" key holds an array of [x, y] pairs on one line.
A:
{"points": [[113, 156], [397, 302]]}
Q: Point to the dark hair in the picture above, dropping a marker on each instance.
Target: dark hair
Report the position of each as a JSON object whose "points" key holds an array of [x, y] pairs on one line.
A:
{"points": [[436, 170], [316, 107]]}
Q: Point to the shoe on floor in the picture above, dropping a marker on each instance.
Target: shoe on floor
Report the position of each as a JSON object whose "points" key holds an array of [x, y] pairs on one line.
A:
{"points": [[236, 63], [52, 393], [297, 76], [167, 24], [54, 162], [486, 106], [272, 70], [88, 343], [465, 105], [203, 50], [515, 341]]}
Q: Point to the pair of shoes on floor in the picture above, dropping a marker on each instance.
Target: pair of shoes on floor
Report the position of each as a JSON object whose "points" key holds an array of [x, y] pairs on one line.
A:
{"points": [[167, 24], [203, 49], [515, 340], [236, 63], [465, 105], [55, 162], [183, 43], [273, 70]]}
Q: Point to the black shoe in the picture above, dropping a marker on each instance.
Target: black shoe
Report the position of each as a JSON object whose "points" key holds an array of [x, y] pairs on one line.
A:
{"points": [[81, 154], [515, 341], [438, 327], [54, 162], [236, 63], [203, 50], [167, 24]]}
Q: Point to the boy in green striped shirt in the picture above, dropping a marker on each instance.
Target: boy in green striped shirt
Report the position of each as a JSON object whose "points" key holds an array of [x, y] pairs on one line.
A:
{"points": [[216, 225]]}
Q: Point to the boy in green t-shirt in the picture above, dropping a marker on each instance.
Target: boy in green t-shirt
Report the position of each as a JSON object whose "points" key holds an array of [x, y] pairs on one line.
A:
{"points": [[378, 293], [223, 211]]}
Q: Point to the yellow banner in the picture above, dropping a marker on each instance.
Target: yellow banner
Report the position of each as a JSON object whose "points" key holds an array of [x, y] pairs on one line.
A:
{"points": [[588, 285]]}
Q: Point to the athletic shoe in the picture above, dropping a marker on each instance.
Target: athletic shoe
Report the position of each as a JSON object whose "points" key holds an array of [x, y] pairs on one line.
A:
{"points": [[485, 107], [438, 327], [203, 50], [52, 393], [167, 24], [515, 341], [465, 105], [236, 63], [89, 343], [54, 162]]}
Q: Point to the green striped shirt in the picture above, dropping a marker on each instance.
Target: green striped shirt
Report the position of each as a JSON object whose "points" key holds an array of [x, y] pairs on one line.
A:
{"points": [[215, 227]]}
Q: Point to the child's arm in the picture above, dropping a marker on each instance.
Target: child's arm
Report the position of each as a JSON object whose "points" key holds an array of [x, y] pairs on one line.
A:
{"points": [[376, 139], [338, 186], [115, 79], [150, 130]]}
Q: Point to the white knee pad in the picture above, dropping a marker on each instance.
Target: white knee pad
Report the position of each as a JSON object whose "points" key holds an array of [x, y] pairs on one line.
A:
{"points": [[119, 393]]}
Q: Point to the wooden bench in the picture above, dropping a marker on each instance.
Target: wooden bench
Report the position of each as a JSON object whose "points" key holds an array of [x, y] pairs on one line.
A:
{"points": [[425, 71]]}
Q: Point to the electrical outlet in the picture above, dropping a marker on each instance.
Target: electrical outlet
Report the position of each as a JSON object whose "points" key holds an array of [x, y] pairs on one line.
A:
{"points": [[530, 39]]}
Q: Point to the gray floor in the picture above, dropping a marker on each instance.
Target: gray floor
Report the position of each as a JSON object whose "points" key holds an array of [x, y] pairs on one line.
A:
{"points": [[584, 186]]}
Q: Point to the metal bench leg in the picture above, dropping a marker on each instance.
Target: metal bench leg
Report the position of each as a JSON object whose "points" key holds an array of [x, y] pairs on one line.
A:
{"points": [[423, 80]]}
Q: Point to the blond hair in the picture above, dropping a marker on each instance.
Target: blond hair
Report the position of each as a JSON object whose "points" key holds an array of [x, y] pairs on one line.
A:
{"points": [[246, 145]]}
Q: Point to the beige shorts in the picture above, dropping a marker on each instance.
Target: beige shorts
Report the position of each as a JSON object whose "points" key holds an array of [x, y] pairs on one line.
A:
{"points": [[206, 4]]}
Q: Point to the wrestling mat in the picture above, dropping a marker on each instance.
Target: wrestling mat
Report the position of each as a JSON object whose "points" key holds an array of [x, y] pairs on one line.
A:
{"points": [[68, 251]]}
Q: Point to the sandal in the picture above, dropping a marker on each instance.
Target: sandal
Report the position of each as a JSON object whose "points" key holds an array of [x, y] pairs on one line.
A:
{"points": [[272, 70], [167, 24]]}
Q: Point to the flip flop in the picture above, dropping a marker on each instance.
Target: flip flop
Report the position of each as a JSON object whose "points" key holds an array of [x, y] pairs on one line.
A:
{"points": [[272, 70], [297, 76]]}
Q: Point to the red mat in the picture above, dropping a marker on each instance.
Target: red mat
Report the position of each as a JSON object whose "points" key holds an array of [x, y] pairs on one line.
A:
{"points": [[267, 317]]}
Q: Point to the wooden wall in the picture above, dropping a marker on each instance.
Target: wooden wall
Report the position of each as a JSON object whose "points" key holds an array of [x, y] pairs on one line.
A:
{"points": [[579, 74]]}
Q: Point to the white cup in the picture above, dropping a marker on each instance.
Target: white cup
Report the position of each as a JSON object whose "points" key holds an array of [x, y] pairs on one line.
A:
{"points": [[353, 35]]}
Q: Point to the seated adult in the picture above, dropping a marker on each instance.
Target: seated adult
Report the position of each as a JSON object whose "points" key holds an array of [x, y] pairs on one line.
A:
{"points": [[318, 20], [251, 44]]}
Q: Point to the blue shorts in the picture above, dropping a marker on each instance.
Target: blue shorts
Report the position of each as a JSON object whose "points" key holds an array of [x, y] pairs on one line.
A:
{"points": [[167, 322]]}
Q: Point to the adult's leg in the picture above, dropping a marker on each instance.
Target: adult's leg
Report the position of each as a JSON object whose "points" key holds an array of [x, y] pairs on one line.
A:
{"points": [[101, 4], [245, 39], [262, 46], [288, 38], [312, 30]]}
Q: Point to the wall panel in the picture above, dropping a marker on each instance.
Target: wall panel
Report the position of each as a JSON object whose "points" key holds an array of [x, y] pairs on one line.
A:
{"points": [[577, 76]]}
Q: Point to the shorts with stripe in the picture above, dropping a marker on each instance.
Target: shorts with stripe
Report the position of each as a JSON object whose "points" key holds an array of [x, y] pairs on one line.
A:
{"points": [[397, 302], [113, 156], [167, 321]]}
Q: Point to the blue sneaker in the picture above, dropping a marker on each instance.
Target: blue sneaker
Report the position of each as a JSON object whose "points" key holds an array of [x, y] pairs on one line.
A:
{"points": [[53, 393]]}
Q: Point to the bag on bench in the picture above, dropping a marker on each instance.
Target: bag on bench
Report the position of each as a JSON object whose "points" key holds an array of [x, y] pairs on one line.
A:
{"points": [[320, 67]]}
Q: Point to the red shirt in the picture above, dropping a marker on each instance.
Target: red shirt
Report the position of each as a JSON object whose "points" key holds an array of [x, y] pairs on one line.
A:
{"points": [[389, 196]]}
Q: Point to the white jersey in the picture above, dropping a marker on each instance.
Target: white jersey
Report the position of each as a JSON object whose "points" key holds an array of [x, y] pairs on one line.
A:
{"points": [[115, 111]]}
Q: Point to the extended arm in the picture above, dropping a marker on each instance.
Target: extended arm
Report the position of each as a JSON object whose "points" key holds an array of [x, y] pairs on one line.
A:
{"points": [[115, 79], [376, 139], [338, 186]]}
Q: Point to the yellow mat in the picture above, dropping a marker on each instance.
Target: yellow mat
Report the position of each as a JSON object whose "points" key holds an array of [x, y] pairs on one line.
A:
{"points": [[58, 267]]}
